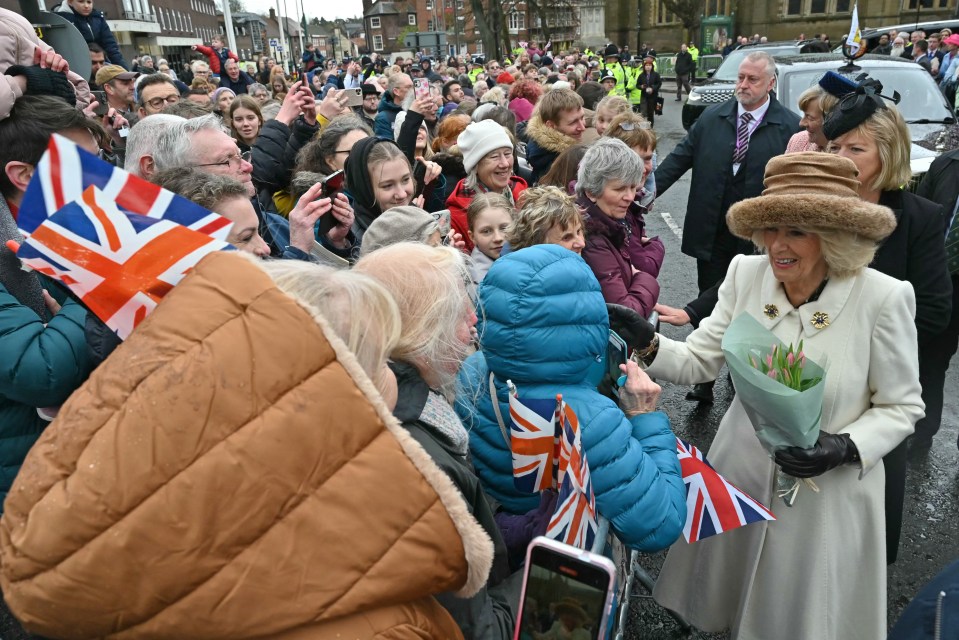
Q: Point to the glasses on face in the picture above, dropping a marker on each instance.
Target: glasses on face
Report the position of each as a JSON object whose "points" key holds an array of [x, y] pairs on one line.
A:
{"points": [[157, 103], [238, 159]]}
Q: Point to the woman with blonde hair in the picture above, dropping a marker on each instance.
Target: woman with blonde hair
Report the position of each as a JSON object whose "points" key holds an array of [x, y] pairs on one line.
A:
{"points": [[875, 137], [287, 363], [438, 333], [815, 104], [547, 215]]}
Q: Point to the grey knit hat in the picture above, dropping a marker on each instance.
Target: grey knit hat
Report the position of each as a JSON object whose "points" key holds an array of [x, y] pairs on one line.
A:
{"points": [[402, 224]]}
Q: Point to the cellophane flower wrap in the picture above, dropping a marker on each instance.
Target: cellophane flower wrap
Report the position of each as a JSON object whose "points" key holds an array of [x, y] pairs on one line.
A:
{"points": [[782, 416]]}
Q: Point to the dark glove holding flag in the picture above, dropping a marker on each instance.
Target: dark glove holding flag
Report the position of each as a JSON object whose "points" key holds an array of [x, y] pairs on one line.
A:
{"points": [[630, 326]]}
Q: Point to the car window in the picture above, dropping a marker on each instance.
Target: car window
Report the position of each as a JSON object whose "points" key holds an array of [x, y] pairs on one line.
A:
{"points": [[729, 69], [921, 99]]}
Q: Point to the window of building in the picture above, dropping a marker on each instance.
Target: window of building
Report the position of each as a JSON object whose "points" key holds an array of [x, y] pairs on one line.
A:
{"points": [[516, 21], [661, 15], [717, 7], [819, 7], [411, 18], [374, 23], [377, 43], [429, 5], [916, 4], [429, 25]]}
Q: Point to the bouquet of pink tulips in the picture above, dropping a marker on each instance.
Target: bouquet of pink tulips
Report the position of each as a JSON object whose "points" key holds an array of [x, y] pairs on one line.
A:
{"points": [[786, 366], [781, 390]]}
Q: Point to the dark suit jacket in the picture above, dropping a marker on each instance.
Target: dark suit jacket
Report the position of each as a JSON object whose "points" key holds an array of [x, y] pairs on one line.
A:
{"points": [[914, 252], [941, 183], [708, 150]]}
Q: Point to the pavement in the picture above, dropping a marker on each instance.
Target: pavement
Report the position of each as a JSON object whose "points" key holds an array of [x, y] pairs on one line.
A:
{"points": [[931, 519]]}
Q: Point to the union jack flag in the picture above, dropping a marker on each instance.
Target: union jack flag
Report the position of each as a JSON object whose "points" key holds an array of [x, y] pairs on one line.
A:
{"points": [[574, 521], [66, 171], [713, 505], [118, 264], [533, 441]]}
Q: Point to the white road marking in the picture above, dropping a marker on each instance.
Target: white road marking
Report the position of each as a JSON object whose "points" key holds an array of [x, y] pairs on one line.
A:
{"points": [[675, 228]]}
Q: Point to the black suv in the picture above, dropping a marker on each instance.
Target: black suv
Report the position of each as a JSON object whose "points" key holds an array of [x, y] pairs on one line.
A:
{"points": [[722, 84]]}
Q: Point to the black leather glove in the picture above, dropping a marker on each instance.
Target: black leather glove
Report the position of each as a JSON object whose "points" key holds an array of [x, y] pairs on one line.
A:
{"points": [[45, 82], [630, 326], [830, 451]]}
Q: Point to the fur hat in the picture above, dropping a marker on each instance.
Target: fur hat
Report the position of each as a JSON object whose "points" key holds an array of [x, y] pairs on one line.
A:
{"points": [[480, 138], [811, 190], [402, 224]]}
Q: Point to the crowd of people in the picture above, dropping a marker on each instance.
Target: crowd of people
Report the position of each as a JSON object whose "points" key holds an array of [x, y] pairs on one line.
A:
{"points": [[305, 439]]}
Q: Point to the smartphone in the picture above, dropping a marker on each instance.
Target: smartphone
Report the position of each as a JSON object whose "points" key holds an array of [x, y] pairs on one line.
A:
{"points": [[419, 176], [567, 592], [616, 353], [355, 97], [421, 88], [331, 185]]}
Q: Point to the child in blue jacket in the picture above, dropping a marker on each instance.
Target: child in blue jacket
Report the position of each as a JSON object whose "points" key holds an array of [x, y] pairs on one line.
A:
{"points": [[543, 325]]}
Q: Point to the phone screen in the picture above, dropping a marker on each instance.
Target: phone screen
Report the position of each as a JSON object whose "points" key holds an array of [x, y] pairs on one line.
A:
{"points": [[564, 598], [616, 353]]}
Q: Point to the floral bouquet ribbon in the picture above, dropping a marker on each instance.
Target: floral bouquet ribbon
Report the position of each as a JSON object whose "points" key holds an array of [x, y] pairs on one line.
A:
{"points": [[783, 416]]}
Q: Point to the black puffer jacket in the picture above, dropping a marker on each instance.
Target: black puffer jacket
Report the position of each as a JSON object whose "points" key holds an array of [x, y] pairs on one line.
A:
{"points": [[274, 156]]}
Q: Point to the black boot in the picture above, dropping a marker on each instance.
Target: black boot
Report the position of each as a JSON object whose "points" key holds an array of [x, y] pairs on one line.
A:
{"points": [[702, 392]]}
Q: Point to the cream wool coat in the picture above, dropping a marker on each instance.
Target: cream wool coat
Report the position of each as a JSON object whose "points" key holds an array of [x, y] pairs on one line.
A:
{"points": [[819, 571]]}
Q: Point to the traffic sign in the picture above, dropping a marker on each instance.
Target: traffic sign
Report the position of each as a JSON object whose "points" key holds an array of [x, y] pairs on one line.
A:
{"points": [[279, 48], [274, 42]]}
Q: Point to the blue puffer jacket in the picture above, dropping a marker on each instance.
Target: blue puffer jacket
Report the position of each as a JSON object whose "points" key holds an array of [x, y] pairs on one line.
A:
{"points": [[543, 325]]}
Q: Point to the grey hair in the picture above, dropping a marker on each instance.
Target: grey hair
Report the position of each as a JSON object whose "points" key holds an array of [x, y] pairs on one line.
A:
{"points": [[143, 59], [256, 86], [394, 80], [142, 140], [174, 145], [197, 64], [765, 58], [606, 160]]}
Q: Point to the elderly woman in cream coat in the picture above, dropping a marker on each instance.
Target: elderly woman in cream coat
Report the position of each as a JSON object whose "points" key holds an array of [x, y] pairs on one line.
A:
{"points": [[818, 572]]}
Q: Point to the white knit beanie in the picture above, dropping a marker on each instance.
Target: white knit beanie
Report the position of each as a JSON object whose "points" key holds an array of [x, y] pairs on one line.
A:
{"points": [[480, 138]]}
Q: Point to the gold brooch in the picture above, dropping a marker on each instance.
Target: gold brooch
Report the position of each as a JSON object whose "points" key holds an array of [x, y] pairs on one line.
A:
{"points": [[820, 320], [771, 311]]}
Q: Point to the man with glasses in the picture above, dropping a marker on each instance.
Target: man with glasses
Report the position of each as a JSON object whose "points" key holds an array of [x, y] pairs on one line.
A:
{"points": [[371, 100], [201, 70], [155, 92]]}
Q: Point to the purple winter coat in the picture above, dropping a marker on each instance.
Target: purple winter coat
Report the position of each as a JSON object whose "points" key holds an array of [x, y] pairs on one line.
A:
{"points": [[612, 257]]}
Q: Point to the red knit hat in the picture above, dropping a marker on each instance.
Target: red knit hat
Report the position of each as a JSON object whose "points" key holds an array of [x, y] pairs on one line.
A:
{"points": [[504, 78]]}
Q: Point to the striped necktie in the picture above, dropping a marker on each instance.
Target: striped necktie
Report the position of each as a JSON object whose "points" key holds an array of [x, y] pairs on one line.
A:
{"points": [[742, 138], [952, 246]]}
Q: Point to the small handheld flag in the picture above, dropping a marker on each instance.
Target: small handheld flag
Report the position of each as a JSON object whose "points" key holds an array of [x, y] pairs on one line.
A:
{"points": [[713, 504], [120, 265]]}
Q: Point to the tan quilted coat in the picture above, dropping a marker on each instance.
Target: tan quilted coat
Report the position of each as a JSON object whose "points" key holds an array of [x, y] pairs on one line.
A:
{"points": [[230, 472]]}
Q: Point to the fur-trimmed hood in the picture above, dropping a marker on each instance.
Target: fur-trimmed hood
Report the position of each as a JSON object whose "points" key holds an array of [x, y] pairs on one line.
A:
{"points": [[547, 137], [219, 478]]}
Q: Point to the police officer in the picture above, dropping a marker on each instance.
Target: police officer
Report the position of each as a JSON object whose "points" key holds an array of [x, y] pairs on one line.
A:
{"points": [[694, 52], [614, 67], [633, 91]]}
